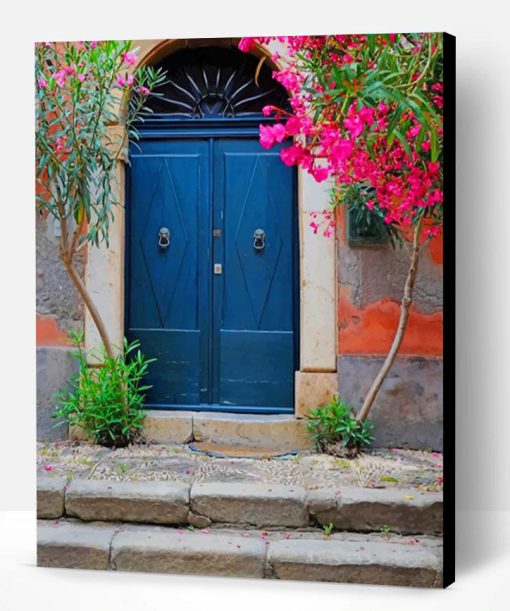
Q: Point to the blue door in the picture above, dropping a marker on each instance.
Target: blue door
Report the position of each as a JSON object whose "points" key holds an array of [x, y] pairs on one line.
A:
{"points": [[211, 272]]}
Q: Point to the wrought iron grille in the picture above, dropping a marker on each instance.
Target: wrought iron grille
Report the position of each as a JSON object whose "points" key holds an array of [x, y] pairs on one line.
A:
{"points": [[215, 82]]}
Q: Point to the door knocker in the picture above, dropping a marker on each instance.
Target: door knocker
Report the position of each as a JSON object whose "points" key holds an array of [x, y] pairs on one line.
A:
{"points": [[259, 239], [164, 238]]}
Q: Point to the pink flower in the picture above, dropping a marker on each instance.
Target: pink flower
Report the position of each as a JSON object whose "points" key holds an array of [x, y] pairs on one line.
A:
{"points": [[48, 468], [129, 58], [60, 77], [278, 131], [266, 136], [293, 126], [246, 44], [267, 110], [143, 90], [354, 124], [81, 77], [342, 150], [320, 173], [291, 155], [42, 82], [123, 80]]}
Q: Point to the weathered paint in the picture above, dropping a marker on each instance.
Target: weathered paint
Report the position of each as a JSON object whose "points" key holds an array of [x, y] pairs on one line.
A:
{"points": [[366, 326], [48, 333], [371, 330]]}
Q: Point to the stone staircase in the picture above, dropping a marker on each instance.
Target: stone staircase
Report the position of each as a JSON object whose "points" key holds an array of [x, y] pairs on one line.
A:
{"points": [[242, 528], [279, 432]]}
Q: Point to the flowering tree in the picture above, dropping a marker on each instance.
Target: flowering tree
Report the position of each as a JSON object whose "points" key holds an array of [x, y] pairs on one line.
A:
{"points": [[81, 89], [366, 110]]}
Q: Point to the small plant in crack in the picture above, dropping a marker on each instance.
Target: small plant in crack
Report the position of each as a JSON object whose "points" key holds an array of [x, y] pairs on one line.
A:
{"points": [[327, 530]]}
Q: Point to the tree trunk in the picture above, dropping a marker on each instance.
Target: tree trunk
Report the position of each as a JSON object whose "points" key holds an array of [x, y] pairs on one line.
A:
{"points": [[405, 307], [89, 304]]}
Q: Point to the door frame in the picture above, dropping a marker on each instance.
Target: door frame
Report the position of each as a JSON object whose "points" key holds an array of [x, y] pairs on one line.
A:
{"points": [[210, 129], [317, 377]]}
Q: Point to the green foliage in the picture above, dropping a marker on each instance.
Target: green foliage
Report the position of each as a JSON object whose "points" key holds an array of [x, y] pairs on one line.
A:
{"points": [[369, 225], [328, 529], [336, 423], [106, 401], [81, 90]]}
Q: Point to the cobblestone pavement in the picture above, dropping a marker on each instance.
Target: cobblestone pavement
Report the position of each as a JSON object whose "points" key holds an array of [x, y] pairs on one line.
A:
{"points": [[378, 468]]}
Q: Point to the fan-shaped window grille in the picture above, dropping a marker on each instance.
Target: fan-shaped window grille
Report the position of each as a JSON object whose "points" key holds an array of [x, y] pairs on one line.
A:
{"points": [[215, 82]]}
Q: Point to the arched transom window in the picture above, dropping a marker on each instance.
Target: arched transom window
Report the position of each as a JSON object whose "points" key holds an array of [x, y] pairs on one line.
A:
{"points": [[215, 82]]}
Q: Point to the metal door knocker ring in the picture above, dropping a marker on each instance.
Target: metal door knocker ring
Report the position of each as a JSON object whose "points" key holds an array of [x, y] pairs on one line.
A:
{"points": [[164, 238], [259, 239]]}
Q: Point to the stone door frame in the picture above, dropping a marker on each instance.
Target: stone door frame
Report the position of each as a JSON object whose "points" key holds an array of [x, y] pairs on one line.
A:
{"points": [[317, 378]]}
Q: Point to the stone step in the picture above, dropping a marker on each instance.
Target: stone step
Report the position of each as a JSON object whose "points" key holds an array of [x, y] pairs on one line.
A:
{"points": [[255, 504], [308, 555], [272, 432]]}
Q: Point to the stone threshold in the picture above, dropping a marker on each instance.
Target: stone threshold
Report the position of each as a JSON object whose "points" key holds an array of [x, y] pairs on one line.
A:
{"points": [[255, 504], [284, 433], [347, 558]]}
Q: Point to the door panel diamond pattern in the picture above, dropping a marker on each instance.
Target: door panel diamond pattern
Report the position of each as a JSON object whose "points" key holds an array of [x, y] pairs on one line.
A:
{"points": [[164, 266], [258, 266]]}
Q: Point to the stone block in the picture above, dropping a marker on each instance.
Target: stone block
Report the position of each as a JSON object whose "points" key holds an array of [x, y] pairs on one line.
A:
{"points": [[188, 553], [167, 427], [54, 368], [354, 562], [314, 390], [255, 504], [405, 511], [408, 411], [50, 497], [157, 502], [74, 546], [284, 433]]}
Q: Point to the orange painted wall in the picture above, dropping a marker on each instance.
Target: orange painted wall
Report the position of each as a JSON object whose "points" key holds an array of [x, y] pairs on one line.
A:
{"points": [[370, 330], [48, 333]]}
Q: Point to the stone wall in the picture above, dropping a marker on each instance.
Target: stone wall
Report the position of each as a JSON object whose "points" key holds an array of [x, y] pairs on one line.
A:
{"points": [[59, 310], [409, 409]]}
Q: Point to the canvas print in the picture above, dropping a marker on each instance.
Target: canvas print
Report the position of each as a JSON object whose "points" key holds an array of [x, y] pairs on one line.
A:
{"points": [[244, 345]]}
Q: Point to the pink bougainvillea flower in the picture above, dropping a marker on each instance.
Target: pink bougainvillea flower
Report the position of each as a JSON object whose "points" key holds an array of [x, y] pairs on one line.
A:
{"points": [[279, 132], [291, 155], [355, 125], [293, 126], [129, 58], [267, 110], [266, 136], [320, 173], [246, 44]]}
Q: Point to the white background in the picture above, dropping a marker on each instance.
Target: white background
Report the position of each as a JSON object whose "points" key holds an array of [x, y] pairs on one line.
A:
{"points": [[483, 304]]}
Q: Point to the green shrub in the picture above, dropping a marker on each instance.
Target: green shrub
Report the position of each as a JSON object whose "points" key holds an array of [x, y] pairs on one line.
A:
{"points": [[335, 430], [106, 401]]}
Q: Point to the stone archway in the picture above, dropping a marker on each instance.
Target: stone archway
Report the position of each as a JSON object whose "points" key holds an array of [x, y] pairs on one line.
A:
{"points": [[316, 380]]}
